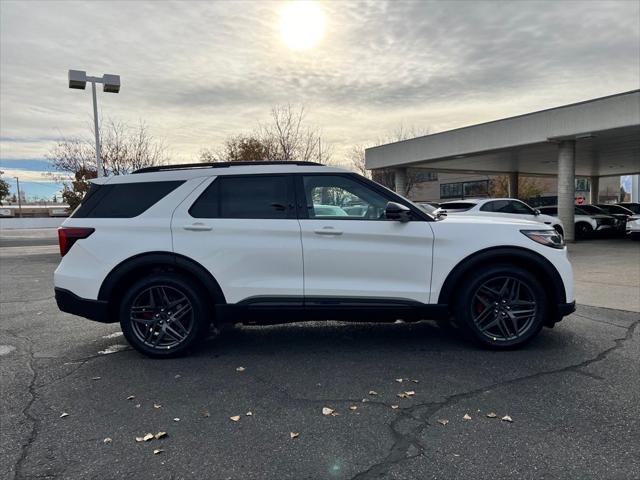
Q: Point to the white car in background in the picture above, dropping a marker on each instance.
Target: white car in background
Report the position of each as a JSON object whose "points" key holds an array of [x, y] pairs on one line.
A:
{"points": [[633, 227], [500, 207]]}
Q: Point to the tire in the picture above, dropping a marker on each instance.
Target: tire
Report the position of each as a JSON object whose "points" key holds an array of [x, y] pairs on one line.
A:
{"points": [[164, 315], [583, 230], [485, 309]]}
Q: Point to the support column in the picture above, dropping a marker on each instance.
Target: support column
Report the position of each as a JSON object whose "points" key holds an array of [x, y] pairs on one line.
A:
{"points": [[567, 186], [401, 181], [595, 189], [513, 184]]}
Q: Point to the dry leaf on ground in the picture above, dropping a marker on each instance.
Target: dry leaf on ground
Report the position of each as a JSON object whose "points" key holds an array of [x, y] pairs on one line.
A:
{"points": [[507, 418], [353, 407], [147, 437], [443, 421], [157, 405], [294, 434], [235, 418], [240, 369], [206, 414], [176, 419], [160, 435], [372, 392], [131, 397], [64, 414], [466, 417], [395, 407], [107, 440], [399, 380], [327, 410], [491, 415], [157, 451], [249, 414]]}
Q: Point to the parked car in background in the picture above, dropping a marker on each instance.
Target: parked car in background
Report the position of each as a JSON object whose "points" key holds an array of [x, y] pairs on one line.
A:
{"points": [[429, 207], [633, 227], [621, 218], [586, 224], [633, 206], [501, 207]]}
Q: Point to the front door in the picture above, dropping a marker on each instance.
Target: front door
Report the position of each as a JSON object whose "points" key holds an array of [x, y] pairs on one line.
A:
{"points": [[351, 250]]}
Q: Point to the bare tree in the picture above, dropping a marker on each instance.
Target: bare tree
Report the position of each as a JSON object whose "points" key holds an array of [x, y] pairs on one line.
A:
{"points": [[286, 137], [123, 149], [386, 176], [355, 156], [528, 187]]}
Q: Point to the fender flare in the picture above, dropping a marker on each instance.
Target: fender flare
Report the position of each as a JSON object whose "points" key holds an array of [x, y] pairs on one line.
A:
{"points": [[539, 264], [149, 260]]}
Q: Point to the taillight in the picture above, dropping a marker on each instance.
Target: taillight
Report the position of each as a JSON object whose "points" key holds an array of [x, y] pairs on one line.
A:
{"points": [[67, 236]]}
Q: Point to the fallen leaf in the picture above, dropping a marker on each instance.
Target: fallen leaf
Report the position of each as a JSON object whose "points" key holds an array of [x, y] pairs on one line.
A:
{"points": [[64, 414], [96, 378], [131, 397], [372, 392], [395, 407], [364, 400], [491, 415], [443, 421], [456, 455], [235, 418], [415, 381], [507, 418], [176, 419], [138, 405], [177, 376], [147, 437], [157, 451], [157, 405], [107, 440], [160, 435], [410, 393], [240, 369], [249, 414], [206, 414], [294, 434], [139, 439], [399, 380], [353, 407], [466, 417], [327, 411]]}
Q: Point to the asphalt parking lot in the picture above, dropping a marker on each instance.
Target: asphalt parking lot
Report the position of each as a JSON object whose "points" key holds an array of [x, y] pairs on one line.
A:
{"points": [[68, 384]]}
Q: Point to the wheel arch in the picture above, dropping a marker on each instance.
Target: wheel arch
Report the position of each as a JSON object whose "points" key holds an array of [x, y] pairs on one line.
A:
{"points": [[542, 268], [133, 268]]}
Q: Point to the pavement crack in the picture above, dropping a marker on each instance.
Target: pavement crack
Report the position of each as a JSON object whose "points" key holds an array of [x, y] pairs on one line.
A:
{"points": [[26, 412], [404, 441]]}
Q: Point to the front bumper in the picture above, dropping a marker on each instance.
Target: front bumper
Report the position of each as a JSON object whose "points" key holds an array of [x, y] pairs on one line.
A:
{"points": [[69, 302], [565, 309]]}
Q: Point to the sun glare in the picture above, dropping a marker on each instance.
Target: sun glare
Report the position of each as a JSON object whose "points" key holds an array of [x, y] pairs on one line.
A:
{"points": [[302, 24]]}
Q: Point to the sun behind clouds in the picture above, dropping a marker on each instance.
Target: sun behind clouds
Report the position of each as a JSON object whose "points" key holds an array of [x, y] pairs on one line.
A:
{"points": [[302, 24]]}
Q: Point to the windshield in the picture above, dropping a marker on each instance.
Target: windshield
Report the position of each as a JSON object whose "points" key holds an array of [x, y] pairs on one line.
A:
{"points": [[592, 210]]}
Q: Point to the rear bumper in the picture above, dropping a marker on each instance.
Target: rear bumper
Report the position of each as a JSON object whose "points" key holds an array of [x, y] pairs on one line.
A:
{"points": [[69, 302]]}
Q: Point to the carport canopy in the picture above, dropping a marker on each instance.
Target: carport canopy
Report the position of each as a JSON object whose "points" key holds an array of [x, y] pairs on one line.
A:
{"points": [[599, 137]]}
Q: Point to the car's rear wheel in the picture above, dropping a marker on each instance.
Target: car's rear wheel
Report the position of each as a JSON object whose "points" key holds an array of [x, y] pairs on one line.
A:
{"points": [[501, 307], [583, 230], [164, 315]]}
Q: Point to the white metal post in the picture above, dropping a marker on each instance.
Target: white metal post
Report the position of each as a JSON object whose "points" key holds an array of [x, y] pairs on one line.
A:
{"points": [[97, 131]]}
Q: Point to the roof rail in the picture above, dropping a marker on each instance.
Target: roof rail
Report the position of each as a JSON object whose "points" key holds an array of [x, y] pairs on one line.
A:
{"points": [[186, 166]]}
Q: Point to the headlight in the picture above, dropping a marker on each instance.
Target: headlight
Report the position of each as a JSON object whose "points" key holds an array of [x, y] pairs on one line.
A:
{"points": [[550, 238]]}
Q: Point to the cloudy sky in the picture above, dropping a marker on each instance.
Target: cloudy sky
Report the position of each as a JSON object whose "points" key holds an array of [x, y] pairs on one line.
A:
{"points": [[197, 72]]}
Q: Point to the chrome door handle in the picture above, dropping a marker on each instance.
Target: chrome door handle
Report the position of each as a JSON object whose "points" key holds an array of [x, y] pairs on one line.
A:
{"points": [[328, 231], [198, 227]]}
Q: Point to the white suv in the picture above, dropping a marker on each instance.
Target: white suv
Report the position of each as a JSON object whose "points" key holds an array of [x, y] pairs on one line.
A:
{"points": [[169, 251]]}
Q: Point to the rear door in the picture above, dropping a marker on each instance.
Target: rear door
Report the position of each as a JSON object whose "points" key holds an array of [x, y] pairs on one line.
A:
{"points": [[244, 230], [352, 251]]}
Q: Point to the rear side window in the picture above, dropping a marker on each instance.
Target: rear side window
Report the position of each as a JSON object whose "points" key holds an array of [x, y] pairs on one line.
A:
{"points": [[250, 196], [124, 200]]}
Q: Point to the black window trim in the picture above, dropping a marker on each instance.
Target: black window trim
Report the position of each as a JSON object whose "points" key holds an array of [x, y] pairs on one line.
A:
{"points": [[291, 208]]}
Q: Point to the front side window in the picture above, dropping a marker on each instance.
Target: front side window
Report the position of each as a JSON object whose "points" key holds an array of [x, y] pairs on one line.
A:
{"points": [[339, 197], [250, 196]]}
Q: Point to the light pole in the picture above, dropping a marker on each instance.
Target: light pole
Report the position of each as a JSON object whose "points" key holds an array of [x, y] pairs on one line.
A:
{"points": [[19, 199], [111, 84]]}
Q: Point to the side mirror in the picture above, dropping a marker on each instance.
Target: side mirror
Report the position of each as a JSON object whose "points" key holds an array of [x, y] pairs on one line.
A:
{"points": [[397, 211], [536, 212]]}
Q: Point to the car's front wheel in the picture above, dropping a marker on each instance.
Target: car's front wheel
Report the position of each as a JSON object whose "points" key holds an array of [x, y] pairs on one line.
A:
{"points": [[501, 306], [164, 315]]}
